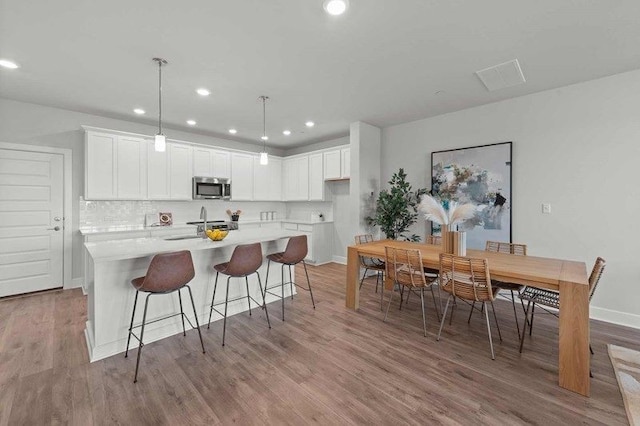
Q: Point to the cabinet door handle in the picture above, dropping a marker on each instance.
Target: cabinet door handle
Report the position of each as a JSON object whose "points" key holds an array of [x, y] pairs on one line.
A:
{"points": [[55, 228]]}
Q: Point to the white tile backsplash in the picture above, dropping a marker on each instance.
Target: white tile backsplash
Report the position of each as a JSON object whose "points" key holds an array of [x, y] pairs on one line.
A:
{"points": [[101, 213]]}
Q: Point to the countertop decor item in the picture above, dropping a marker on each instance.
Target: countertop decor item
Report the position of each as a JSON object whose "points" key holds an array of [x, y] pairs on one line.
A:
{"points": [[217, 234], [166, 219], [235, 215], [448, 218]]}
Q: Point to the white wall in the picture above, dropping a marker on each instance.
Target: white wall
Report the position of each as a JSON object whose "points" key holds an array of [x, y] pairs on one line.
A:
{"points": [[317, 146], [33, 124], [576, 147]]}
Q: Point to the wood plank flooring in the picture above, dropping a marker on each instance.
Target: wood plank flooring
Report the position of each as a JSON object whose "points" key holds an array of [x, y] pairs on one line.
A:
{"points": [[328, 366]]}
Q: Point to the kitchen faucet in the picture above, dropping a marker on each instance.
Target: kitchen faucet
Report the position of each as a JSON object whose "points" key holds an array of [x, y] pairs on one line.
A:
{"points": [[203, 216]]}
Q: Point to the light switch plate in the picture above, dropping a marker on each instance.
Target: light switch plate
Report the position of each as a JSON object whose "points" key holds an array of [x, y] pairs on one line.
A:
{"points": [[546, 208]]}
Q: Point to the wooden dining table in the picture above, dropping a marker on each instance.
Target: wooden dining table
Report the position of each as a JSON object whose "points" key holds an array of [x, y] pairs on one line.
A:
{"points": [[566, 276]]}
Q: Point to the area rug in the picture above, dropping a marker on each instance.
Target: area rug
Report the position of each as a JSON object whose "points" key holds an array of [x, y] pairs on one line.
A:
{"points": [[626, 363]]}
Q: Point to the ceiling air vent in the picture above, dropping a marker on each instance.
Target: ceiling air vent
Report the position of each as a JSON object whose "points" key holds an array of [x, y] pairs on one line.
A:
{"points": [[503, 75]]}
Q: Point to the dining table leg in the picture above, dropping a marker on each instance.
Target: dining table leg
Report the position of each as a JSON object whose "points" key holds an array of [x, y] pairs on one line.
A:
{"points": [[353, 270], [574, 359]]}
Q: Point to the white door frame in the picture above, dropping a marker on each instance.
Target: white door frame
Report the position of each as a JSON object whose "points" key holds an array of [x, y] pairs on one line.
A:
{"points": [[67, 154]]}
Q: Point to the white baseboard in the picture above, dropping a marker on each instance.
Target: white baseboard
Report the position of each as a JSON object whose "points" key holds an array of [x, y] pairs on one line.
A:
{"points": [[340, 259], [75, 283], [615, 317]]}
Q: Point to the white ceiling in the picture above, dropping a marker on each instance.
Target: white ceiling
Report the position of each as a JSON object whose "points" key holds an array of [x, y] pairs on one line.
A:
{"points": [[382, 62]]}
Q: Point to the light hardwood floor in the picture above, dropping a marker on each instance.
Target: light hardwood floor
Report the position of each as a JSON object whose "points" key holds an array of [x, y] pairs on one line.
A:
{"points": [[328, 366]]}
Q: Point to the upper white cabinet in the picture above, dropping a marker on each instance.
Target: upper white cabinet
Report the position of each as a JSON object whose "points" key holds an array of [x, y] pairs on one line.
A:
{"points": [[267, 180], [115, 167], [180, 171], [131, 168], [332, 168], [100, 161], [296, 178], [157, 173], [211, 163], [316, 181], [337, 164], [345, 163], [241, 177]]}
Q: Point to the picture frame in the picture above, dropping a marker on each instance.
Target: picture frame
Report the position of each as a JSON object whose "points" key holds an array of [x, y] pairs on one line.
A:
{"points": [[481, 175]]}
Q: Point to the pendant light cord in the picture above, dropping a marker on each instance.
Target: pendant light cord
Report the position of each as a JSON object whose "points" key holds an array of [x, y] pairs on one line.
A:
{"points": [[160, 97]]}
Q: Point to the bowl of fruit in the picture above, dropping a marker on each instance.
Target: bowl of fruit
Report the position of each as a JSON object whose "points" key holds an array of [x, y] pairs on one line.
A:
{"points": [[217, 234]]}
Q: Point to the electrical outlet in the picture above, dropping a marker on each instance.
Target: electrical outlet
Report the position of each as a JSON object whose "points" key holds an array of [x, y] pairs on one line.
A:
{"points": [[546, 208]]}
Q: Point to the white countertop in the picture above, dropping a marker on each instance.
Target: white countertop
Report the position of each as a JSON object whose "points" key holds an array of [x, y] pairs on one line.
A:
{"points": [[306, 222], [91, 230], [143, 247]]}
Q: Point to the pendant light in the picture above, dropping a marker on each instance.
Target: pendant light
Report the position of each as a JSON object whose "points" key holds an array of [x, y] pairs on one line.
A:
{"points": [[160, 140], [264, 157]]}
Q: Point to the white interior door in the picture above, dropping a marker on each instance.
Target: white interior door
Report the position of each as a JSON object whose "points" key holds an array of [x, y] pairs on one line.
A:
{"points": [[31, 221]]}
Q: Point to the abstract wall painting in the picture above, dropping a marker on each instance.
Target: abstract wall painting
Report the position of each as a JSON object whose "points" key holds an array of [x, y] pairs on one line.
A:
{"points": [[480, 175]]}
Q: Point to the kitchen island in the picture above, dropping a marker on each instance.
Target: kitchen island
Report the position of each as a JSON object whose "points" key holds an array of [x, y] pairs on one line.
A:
{"points": [[113, 264]]}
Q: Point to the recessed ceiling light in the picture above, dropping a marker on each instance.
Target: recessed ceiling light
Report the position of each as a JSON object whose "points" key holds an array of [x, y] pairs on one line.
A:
{"points": [[309, 124], [286, 132], [191, 122], [139, 111], [335, 7], [8, 64], [203, 92], [233, 131], [264, 138]]}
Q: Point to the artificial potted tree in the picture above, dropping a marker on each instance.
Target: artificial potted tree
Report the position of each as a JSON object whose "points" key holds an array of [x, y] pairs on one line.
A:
{"points": [[396, 209]]}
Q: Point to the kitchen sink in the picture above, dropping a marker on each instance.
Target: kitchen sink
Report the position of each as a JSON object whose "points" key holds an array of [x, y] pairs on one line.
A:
{"points": [[182, 237]]}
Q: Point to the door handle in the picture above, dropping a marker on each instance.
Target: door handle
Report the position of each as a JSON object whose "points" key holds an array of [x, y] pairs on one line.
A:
{"points": [[55, 228]]}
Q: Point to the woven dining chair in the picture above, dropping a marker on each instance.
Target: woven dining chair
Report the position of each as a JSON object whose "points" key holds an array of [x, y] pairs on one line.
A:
{"points": [[551, 298], [405, 268], [518, 250], [371, 264], [468, 279]]}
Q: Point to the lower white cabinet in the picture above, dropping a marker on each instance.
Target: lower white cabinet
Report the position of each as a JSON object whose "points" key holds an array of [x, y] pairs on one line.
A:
{"points": [[319, 240]]}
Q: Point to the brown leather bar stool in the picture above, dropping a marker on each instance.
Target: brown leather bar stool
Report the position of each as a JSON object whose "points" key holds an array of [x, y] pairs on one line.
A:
{"points": [[295, 253], [245, 261], [167, 272]]}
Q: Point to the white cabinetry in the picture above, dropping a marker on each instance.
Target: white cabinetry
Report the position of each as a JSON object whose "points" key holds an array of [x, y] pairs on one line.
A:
{"points": [[345, 163], [267, 180], [180, 171], [319, 240], [100, 163], [131, 168], [157, 173], [296, 178], [115, 167], [241, 177], [337, 164], [211, 163], [316, 181]]}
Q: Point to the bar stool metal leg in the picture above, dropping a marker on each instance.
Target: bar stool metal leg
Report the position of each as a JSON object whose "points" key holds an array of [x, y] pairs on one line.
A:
{"points": [[133, 314], [309, 284], [144, 319], [213, 298], [290, 282], [226, 302], [184, 332], [246, 280], [196, 316], [282, 287], [264, 302], [266, 280]]}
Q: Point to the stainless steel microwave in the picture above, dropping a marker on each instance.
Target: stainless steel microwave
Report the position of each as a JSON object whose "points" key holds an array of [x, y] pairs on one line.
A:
{"points": [[211, 188]]}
